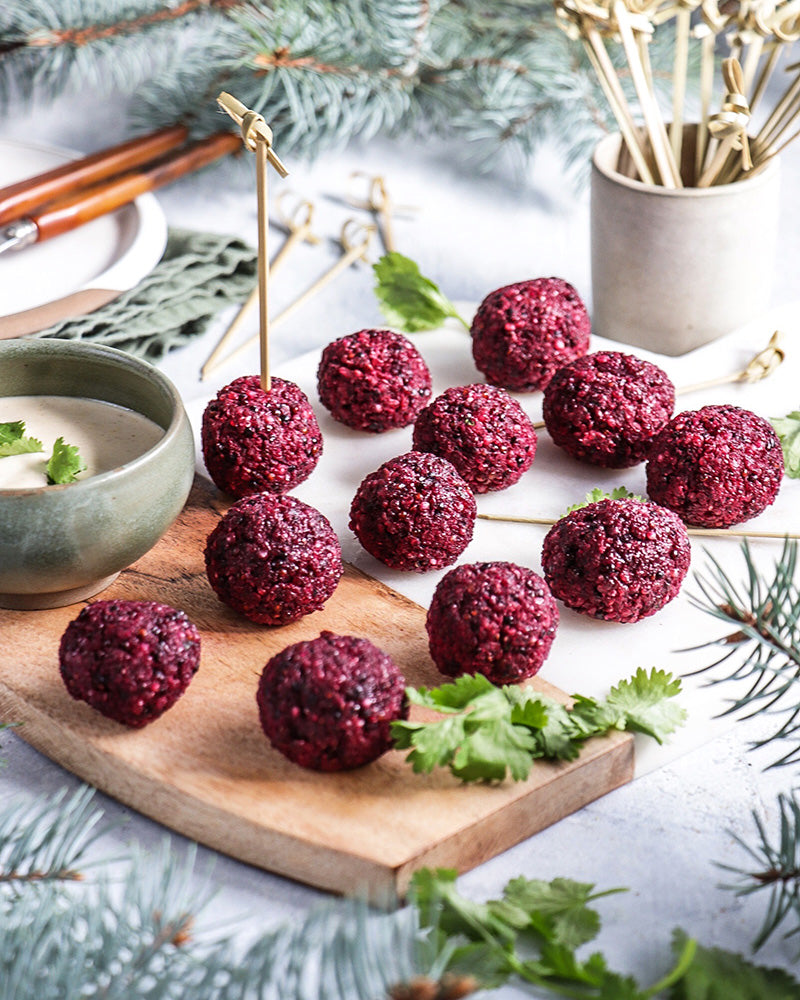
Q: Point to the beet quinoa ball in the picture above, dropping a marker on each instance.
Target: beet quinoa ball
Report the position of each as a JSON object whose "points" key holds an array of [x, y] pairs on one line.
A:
{"points": [[130, 660], [620, 560], [523, 333], [483, 431], [273, 559], [605, 408], [328, 703], [373, 380], [715, 466], [496, 619], [256, 441], [414, 513]]}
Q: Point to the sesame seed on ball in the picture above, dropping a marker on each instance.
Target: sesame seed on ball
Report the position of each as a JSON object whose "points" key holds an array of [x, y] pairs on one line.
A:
{"points": [[493, 618], [523, 333], [716, 466], [483, 431], [605, 408], [373, 380], [273, 559], [255, 441], [414, 513]]}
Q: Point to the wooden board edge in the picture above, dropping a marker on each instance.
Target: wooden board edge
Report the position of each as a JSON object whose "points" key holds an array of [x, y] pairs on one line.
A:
{"points": [[528, 815]]}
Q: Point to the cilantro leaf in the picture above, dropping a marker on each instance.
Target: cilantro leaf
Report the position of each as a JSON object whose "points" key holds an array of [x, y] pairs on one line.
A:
{"points": [[788, 430], [410, 301], [715, 974], [14, 442], [570, 920], [644, 703], [64, 464], [598, 493], [488, 732]]}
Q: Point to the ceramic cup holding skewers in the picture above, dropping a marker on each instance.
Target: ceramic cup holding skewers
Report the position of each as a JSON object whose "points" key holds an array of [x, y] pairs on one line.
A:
{"points": [[63, 543], [675, 268]]}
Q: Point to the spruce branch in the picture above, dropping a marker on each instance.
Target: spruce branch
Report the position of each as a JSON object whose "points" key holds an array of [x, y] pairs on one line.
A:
{"points": [[775, 870], [323, 72], [762, 644]]}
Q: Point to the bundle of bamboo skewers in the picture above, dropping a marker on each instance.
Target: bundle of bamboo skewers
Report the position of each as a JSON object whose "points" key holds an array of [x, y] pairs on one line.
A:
{"points": [[720, 146]]}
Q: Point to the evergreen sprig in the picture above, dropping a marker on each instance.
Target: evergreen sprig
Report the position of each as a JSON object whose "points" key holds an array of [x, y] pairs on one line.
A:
{"points": [[323, 72], [776, 871], [762, 643], [137, 932]]}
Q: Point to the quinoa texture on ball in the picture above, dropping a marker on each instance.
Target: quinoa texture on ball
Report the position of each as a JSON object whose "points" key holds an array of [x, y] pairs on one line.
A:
{"points": [[328, 703], [619, 560], [716, 466], [605, 408], [523, 333], [373, 380], [273, 559], [414, 513], [130, 660], [260, 442], [494, 618], [485, 433]]}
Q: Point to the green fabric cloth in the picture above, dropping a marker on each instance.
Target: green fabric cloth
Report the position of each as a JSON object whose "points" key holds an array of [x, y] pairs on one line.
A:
{"points": [[199, 274]]}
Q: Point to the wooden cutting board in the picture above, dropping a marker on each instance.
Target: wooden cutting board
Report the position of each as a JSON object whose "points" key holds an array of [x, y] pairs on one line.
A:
{"points": [[205, 769]]}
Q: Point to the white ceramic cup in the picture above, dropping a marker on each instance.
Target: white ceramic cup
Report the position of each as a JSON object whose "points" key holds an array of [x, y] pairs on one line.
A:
{"points": [[675, 269]]}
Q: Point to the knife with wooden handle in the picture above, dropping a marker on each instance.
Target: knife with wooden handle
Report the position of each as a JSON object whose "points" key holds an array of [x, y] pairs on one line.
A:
{"points": [[77, 207]]}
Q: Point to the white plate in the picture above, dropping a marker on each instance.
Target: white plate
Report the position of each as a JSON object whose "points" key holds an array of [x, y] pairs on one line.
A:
{"points": [[82, 269]]}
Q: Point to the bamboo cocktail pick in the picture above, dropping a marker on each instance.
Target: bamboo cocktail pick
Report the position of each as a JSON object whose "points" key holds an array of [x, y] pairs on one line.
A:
{"points": [[257, 137], [729, 125], [298, 224], [382, 207], [355, 240]]}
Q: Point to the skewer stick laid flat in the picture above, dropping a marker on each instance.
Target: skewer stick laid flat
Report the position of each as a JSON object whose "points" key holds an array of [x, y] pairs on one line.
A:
{"points": [[353, 252], [257, 137], [759, 367], [299, 231], [699, 532]]}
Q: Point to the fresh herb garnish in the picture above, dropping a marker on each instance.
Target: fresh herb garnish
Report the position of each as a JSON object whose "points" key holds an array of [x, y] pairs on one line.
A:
{"points": [[489, 732], [618, 493], [14, 442], [788, 430], [534, 930], [410, 301], [64, 464]]}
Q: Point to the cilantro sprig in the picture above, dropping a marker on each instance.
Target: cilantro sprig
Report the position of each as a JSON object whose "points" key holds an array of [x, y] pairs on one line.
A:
{"points": [[65, 463], [410, 301], [13, 440], [487, 732], [788, 430], [534, 931], [597, 494]]}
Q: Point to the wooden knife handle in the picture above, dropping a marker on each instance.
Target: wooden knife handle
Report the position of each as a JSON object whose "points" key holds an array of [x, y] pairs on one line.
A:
{"points": [[20, 199], [68, 213]]}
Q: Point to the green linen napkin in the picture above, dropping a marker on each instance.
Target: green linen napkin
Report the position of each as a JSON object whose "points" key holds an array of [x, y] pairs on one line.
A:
{"points": [[199, 274]]}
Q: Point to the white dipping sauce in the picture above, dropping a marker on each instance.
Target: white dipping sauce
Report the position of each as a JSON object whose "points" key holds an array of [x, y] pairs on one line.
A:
{"points": [[105, 435]]}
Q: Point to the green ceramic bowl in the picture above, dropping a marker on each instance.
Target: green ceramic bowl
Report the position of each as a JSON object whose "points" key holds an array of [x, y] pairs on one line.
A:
{"points": [[62, 544]]}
